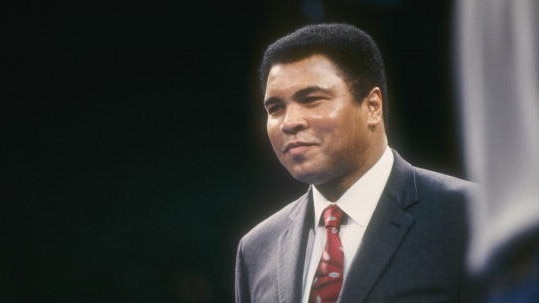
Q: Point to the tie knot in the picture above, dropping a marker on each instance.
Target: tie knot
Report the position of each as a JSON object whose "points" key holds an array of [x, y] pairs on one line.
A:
{"points": [[332, 216]]}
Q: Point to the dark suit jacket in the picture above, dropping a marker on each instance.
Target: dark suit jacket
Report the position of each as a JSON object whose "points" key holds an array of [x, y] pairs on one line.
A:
{"points": [[413, 249]]}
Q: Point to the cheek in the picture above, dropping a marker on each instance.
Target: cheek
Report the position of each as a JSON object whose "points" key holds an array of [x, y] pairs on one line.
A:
{"points": [[273, 133], [325, 115], [331, 123], [342, 130]]}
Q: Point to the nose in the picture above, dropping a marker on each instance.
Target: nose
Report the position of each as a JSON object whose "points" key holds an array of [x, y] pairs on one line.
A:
{"points": [[294, 120]]}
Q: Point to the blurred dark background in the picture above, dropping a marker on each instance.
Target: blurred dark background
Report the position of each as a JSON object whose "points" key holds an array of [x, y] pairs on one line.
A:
{"points": [[133, 137]]}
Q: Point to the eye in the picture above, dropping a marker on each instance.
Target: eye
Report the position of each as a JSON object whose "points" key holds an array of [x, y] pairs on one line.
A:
{"points": [[274, 108], [310, 99]]}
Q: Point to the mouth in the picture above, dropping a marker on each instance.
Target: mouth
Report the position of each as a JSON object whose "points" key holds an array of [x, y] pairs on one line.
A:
{"points": [[293, 146]]}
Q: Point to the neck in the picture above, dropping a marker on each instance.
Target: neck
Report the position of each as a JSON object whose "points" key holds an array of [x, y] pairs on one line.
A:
{"points": [[335, 188]]}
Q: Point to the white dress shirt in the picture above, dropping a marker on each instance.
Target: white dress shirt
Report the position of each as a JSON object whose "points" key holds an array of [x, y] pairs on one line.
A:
{"points": [[358, 203]]}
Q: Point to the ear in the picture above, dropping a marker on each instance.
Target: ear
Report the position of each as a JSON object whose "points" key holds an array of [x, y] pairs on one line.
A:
{"points": [[374, 104]]}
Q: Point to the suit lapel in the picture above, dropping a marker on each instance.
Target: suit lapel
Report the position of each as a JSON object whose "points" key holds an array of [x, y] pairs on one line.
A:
{"points": [[292, 251], [387, 228]]}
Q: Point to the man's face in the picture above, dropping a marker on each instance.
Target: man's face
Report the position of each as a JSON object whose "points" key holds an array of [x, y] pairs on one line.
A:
{"points": [[319, 132]]}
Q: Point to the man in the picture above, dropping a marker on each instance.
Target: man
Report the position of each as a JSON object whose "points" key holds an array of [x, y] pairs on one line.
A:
{"points": [[371, 228]]}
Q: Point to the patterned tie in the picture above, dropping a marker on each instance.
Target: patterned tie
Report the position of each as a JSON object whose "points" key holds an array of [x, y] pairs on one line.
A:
{"points": [[327, 281]]}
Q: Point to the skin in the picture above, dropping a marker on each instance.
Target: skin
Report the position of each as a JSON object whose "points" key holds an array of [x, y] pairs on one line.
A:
{"points": [[319, 132]]}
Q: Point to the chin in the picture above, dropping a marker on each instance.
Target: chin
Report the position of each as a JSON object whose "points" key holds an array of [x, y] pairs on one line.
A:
{"points": [[307, 177]]}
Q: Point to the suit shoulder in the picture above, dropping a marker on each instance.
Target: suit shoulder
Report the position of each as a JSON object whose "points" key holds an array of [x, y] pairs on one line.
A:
{"points": [[270, 227], [431, 180]]}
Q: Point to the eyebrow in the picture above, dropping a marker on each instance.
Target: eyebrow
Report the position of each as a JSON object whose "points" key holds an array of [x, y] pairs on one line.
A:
{"points": [[308, 90], [299, 94]]}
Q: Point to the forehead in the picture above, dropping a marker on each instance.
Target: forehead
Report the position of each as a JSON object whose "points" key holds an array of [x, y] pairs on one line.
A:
{"points": [[315, 70]]}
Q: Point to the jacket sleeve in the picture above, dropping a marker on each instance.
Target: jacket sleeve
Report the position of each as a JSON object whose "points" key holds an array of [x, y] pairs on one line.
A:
{"points": [[241, 283]]}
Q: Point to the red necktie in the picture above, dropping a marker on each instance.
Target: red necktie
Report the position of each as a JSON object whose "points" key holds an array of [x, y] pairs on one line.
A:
{"points": [[327, 281]]}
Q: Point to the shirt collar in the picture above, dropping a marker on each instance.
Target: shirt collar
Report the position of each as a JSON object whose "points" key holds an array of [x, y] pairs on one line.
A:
{"points": [[360, 200]]}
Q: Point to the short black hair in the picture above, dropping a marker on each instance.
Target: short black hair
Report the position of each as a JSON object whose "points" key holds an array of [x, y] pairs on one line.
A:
{"points": [[352, 50]]}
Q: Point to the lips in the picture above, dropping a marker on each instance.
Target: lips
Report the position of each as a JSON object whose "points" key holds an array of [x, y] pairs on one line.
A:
{"points": [[296, 146]]}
